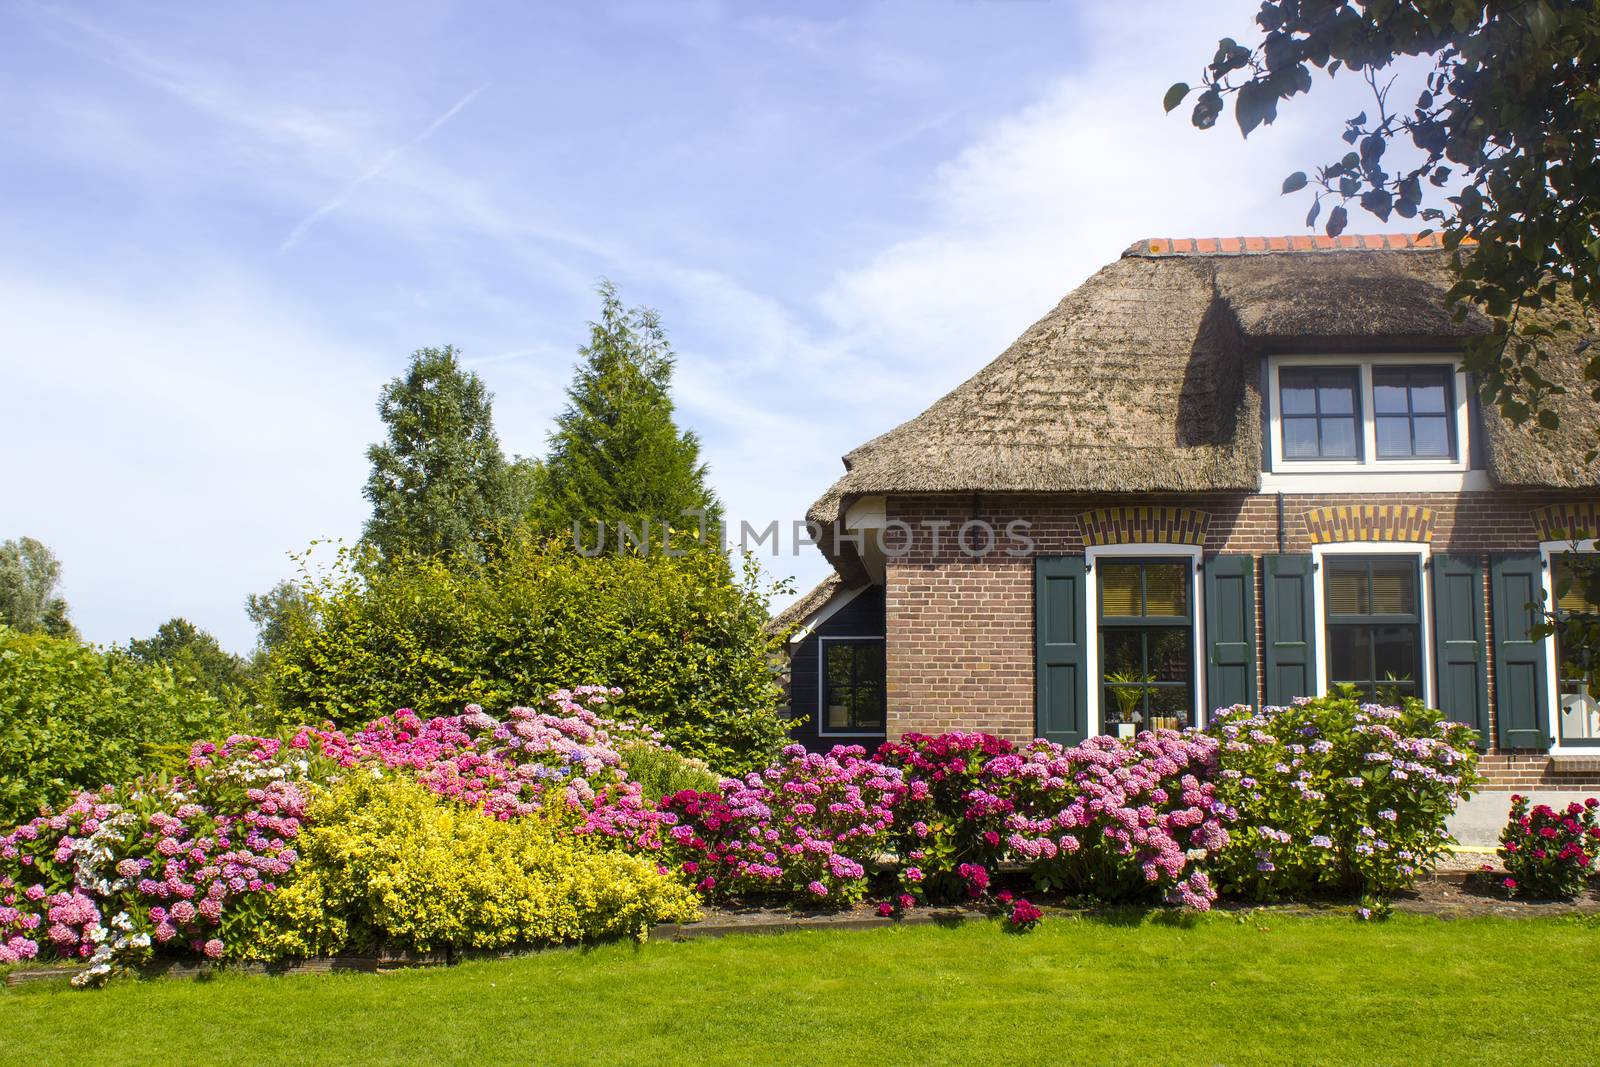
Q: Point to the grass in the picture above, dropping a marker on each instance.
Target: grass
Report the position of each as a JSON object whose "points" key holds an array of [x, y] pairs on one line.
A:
{"points": [[1260, 987]]}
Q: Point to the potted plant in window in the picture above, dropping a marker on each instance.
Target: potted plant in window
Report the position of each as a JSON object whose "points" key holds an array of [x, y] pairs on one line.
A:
{"points": [[1126, 690]]}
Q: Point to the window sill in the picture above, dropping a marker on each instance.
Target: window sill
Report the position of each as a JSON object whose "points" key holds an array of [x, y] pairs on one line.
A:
{"points": [[1370, 480]]}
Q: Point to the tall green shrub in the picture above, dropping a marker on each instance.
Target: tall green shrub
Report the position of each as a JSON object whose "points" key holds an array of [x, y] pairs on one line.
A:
{"points": [[682, 636], [75, 717]]}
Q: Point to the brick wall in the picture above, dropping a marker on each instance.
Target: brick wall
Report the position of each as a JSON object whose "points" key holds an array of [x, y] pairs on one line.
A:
{"points": [[960, 630]]}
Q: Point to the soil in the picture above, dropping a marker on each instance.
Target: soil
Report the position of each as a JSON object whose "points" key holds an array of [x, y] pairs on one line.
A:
{"points": [[1459, 888]]}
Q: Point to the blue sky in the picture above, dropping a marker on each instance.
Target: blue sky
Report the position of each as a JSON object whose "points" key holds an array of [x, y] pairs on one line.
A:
{"points": [[223, 227]]}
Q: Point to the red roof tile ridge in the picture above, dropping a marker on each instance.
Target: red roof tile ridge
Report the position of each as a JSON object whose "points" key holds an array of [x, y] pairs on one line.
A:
{"points": [[1304, 242]]}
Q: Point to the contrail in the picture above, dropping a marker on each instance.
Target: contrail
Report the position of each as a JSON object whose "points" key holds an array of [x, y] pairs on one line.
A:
{"points": [[373, 171]]}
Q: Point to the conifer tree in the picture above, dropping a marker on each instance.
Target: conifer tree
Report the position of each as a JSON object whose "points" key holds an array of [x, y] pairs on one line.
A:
{"points": [[616, 454], [440, 482]]}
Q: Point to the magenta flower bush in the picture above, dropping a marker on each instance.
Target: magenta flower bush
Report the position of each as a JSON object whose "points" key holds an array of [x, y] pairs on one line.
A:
{"points": [[947, 827], [810, 826], [1550, 854], [1334, 794]]}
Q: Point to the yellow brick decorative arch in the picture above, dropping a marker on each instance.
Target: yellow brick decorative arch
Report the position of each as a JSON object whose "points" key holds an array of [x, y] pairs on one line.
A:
{"points": [[1370, 522], [1576, 520], [1150, 525]]}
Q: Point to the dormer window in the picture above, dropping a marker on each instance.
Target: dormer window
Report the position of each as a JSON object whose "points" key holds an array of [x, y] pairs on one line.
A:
{"points": [[1411, 410], [1321, 416], [1329, 414]]}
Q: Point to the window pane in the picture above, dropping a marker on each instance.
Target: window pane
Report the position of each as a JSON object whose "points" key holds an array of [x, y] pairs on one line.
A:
{"points": [[1575, 598], [1338, 439], [1345, 587], [1336, 393], [1169, 660], [1394, 436], [1119, 589], [1166, 589], [1300, 438], [869, 662], [1123, 703], [840, 661], [1394, 650], [1124, 652], [1349, 654], [839, 714], [1394, 586], [869, 708], [1430, 392], [1432, 436], [1298, 392], [1388, 394], [1170, 707]]}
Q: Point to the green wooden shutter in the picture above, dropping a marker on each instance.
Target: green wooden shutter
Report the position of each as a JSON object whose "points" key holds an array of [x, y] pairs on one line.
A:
{"points": [[1522, 711], [1461, 663], [1230, 631], [1290, 623], [1061, 701]]}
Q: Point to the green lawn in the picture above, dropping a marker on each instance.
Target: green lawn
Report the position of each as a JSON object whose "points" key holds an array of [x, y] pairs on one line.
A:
{"points": [[1273, 988]]}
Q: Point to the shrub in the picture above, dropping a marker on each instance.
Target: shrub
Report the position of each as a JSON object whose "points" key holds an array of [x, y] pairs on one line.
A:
{"points": [[662, 771], [682, 634], [119, 874], [73, 717], [935, 828], [1333, 794], [390, 862], [1116, 820], [1548, 853], [810, 825]]}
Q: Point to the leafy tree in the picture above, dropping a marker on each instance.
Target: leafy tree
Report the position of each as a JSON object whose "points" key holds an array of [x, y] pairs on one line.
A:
{"points": [[683, 636], [439, 483], [194, 654], [1508, 117], [75, 717], [616, 454], [275, 613], [29, 574]]}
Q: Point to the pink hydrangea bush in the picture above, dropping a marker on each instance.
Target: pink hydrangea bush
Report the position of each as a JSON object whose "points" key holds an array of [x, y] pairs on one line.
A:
{"points": [[1337, 795], [119, 874], [809, 826], [1114, 819], [1549, 854], [948, 827]]}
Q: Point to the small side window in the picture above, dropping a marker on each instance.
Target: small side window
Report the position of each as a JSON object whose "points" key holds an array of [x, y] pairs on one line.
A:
{"points": [[853, 685]]}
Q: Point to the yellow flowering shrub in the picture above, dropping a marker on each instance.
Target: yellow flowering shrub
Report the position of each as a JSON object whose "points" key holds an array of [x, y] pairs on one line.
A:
{"points": [[386, 862]]}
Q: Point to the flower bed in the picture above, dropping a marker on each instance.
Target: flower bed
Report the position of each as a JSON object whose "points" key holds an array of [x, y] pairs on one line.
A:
{"points": [[196, 865], [472, 831]]}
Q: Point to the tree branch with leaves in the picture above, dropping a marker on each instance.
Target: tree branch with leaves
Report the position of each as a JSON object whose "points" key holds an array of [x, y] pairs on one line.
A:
{"points": [[1501, 136]]}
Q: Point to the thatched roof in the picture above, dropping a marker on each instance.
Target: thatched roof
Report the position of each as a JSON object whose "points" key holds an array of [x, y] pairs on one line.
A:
{"points": [[808, 603], [1145, 378]]}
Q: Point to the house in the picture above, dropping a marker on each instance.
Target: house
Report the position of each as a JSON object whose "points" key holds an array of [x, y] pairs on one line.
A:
{"points": [[1232, 470]]}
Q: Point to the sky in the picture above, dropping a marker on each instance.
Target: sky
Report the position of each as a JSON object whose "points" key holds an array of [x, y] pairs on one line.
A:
{"points": [[224, 227]]}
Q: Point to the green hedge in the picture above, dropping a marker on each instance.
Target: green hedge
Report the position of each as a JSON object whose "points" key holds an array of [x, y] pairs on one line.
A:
{"points": [[682, 636], [76, 717]]}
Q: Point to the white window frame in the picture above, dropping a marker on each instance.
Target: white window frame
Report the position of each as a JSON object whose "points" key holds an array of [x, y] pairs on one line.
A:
{"points": [[1424, 554], [1156, 550], [1369, 463], [822, 687], [1547, 551]]}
